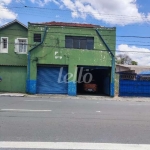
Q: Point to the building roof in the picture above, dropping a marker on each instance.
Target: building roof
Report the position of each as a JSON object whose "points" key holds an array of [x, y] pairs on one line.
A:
{"points": [[133, 66], [14, 21], [53, 23], [144, 73]]}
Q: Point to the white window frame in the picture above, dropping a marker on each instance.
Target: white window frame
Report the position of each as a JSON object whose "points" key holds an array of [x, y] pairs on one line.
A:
{"points": [[17, 45], [3, 50]]}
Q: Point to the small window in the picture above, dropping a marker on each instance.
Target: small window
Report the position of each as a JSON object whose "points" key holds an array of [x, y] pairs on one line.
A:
{"points": [[21, 45], [4, 45], [37, 38], [79, 42]]}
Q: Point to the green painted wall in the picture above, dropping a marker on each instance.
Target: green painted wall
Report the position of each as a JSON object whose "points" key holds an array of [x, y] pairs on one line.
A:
{"points": [[13, 76], [13, 79], [12, 32], [53, 50]]}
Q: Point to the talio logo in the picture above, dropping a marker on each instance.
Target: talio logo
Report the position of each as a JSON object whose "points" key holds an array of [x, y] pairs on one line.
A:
{"points": [[86, 78]]}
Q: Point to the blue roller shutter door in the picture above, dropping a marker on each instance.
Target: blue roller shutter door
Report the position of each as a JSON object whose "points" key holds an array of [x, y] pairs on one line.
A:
{"points": [[47, 80]]}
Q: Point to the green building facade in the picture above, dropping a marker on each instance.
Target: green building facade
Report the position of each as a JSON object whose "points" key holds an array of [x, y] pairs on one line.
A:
{"points": [[13, 57], [62, 55]]}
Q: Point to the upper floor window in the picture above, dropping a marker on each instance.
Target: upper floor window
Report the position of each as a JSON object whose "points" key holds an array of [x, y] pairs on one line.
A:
{"points": [[37, 38], [21, 45], [79, 42], [4, 45]]}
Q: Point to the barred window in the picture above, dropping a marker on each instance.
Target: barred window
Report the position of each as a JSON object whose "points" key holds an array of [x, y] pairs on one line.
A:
{"points": [[37, 38], [78, 42], [4, 45]]}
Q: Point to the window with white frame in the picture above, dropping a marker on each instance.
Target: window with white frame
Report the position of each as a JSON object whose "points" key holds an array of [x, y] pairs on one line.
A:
{"points": [[4, 45], [21, 45]]}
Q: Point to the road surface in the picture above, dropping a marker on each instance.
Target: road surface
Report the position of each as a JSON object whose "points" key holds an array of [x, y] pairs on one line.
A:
{"points": [[43, 123]]}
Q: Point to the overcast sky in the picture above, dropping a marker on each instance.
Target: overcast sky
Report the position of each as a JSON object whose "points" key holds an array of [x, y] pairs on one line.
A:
{"points": [[131, 17]]}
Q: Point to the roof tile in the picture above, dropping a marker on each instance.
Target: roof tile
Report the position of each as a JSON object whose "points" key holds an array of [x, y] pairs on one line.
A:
{"points": [[53, 23]]}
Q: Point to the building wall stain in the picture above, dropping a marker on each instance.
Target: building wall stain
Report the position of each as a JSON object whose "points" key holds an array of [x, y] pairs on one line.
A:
{"points": [[53, 51]]}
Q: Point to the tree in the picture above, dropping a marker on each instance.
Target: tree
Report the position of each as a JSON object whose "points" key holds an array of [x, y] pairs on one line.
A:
{"points": [[134, 63], [125, 59]]}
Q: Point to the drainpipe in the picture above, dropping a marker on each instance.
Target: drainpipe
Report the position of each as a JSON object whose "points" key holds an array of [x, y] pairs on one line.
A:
{"points": [[29, 56], [113, 59]]}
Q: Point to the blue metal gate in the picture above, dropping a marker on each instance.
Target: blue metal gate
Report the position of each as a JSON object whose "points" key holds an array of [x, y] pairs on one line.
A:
{"points": [[52, 80], [130, 85]]}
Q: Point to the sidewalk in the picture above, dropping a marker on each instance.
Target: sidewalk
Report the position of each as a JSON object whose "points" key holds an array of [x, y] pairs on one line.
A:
{"points": [[53, 96], [105, 98], [12, 94]]}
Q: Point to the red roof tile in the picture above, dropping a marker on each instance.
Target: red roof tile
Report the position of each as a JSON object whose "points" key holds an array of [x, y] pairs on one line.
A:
{"points": [[68, 24]]}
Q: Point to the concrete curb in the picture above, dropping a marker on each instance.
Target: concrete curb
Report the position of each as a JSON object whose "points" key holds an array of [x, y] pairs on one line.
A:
{"points": [[12, 95], [106, 98], [81, 97]]}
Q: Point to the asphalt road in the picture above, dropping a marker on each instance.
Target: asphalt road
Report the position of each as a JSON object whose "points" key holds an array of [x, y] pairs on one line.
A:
{"points": [[25, 119]]}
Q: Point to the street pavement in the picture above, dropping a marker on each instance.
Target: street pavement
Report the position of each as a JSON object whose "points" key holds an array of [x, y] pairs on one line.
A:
{"points": [[59, 123]]}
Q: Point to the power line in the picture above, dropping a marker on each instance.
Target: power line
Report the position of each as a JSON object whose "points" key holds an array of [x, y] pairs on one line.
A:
{"points": [[61, 17], [122, 36], [52, 9], [98, 50], [54, 39], [22, 3], [132, 41], [135, 36], [81, 39], [32, 59], [127, 17], [80, 34], [45, 45], [109, 15], [132, 52]]}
